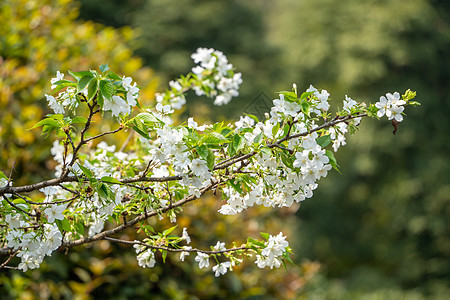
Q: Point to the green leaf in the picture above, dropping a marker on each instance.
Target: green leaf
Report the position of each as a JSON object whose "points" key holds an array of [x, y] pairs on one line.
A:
{"points": [[106, 88], [83, 82], [104, 68], [109, 179], [164, 255], [225, 131], [236, 144], [306, 95], [210, 159], [275, 129], [79, 227], [169, 231], [207, 155], [217, 126], [290, 96], [56, 116], [113, 76], [287, 159], [266, 150], [266, 236], [92, 88], [202, 151], [305, 107], [213, 138], [50, 124], [258, 138], [324, 140], [78, 75], [251, 240], [100, 99], [60, 84], [79, 120], [140, 128], [255, 118], [147, 118], [86, 171], [333, 161], [63, 225], [47, 121], [104, 191]]}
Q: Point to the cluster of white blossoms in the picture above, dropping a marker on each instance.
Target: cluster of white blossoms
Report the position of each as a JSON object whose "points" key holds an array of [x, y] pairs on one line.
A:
{"points": [[281, 185], [391, 106], [274, 249], [219, 269], [213, 77], [320, 100], [65, 99], [33, 245], [120, 106], [172, 150], [214, 71], [145, 256]]}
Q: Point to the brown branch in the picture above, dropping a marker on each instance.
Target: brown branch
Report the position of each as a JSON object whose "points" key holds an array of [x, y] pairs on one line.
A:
{"points": [[58, 181], [11, 255], [137, 219]]}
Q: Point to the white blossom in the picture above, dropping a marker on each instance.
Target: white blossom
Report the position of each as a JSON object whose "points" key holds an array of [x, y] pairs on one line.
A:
{"points": [[185, 236], [55, 212], [349, 103], [117, 106], [183, 254], [55, 105], [221, 268], [59, 76], [202, 259], [219, 246]]}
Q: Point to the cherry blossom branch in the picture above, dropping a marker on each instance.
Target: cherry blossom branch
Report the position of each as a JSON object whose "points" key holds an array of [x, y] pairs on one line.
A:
{"points": [[174, 249], [241, 157], [221, 165], [59, 180], [92, 112]]}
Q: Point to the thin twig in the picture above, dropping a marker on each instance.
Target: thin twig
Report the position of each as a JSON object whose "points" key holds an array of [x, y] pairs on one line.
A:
{"points": [[102, 134], [46, 203], [174, 249], [17, 208], [126, 141], [10, 174]]}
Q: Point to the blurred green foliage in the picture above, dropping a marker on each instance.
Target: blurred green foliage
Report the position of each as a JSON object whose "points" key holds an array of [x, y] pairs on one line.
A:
{"points": [[383, 224], [379, 231], [38, 38]]}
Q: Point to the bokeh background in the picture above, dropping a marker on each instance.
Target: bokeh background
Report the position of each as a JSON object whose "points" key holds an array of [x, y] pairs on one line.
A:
{"points": [[379, 231]]}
